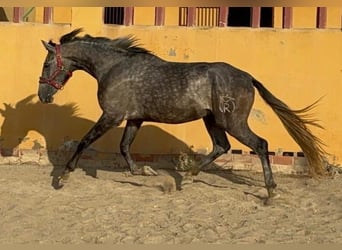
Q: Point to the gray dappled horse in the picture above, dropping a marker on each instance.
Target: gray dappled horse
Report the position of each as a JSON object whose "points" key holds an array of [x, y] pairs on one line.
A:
{"points": [[137, 86]]}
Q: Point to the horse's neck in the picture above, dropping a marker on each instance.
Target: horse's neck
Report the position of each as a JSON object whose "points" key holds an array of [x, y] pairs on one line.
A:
{"points": [[92, 58]]}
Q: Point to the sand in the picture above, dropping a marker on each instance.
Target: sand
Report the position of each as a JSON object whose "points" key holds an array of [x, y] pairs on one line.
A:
{"points": [[221, 206]]}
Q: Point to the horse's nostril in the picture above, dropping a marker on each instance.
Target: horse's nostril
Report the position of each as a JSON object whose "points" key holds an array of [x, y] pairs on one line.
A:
{"points": [[47, 99]]}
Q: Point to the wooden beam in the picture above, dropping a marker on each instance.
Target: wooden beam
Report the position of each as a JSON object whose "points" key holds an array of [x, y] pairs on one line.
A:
{"points": [[321, 21], [18, 13], [223, 18], [159, 19], [287, 17], [128, 16], [47, 15], [191, 17], [255, 19]]}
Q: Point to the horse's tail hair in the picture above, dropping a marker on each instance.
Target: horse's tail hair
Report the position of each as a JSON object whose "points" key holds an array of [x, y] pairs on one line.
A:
{"points": [[295, 122]]}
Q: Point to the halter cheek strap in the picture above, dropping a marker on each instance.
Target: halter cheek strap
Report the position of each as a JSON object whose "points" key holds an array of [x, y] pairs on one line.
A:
{"points": [[60, 68]]}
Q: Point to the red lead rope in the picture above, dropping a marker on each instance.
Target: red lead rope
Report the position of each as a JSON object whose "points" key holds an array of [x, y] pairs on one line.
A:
{"points": [[60, 68]]}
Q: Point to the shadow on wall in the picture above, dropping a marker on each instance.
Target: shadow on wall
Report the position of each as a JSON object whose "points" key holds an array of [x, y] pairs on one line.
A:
{"points": [[61, 126]]}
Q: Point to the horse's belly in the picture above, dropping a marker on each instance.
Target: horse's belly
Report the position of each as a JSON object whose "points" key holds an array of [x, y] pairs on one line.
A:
{"points": [[180, 116], [170, 105], [172, 116], [176, 110]]}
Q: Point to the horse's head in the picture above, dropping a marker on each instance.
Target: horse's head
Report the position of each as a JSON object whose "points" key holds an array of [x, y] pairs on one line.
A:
{"points": [[28, 117], [17, 123], [57, 70]]}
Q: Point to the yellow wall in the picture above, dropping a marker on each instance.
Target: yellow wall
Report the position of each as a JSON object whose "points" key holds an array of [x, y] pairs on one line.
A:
{"points": [[278, 17], [144, 15], [171, 16], [334, 19], [304, 17], [298, 66], [62, 15]]}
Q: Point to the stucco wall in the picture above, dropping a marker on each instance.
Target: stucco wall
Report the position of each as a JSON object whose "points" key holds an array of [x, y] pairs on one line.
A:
{"points": [[299, 66]]}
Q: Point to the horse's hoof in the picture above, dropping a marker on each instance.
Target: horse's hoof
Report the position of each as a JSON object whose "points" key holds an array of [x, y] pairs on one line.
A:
{"points": [[147, 170], [268, 201], [56, 183], [187, 179], [272, 195], [62, 180]]}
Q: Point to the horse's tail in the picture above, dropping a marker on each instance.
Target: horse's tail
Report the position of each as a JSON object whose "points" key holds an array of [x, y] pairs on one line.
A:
{"points": [[295, 122]]}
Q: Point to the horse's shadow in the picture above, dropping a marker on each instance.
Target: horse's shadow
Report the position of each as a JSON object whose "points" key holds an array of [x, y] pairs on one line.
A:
{"points": [[62, 126]]}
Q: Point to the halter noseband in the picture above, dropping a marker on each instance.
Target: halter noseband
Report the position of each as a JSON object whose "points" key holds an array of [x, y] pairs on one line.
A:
{"points": [[51, 80]]}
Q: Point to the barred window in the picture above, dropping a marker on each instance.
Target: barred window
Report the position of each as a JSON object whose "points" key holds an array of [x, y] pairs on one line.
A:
{"points": [[204, 16], [207, 16], [114, 15]]}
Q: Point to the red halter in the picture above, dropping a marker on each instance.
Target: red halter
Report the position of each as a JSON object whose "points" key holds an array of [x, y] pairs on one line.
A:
{"points": [[51, 80]]}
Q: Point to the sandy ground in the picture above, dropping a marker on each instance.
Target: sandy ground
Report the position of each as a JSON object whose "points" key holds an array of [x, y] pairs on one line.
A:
{"points": [[219, 207]]}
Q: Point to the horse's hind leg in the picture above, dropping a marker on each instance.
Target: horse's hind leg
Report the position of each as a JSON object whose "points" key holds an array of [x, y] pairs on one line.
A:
{"points": [[129, 134], [259, 145], [218, 137], [220, 146]]}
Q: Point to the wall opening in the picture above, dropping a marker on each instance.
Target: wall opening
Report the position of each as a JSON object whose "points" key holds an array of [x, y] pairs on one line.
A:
{"points": [[239, 17], [266, 17]]}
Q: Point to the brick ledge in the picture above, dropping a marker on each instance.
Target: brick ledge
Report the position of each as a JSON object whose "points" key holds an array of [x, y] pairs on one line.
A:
{"points": [[234, 161]]}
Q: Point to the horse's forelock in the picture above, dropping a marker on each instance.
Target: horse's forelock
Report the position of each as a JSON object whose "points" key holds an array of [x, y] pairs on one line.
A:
{"points": [[70, 36]]}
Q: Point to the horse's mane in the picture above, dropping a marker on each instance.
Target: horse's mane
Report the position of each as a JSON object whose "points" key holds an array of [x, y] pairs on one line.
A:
{"points": [[127, 43]]}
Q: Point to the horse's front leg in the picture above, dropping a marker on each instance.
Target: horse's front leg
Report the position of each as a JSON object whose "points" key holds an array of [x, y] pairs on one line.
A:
{"points": [[129, 134], [100, 128]]}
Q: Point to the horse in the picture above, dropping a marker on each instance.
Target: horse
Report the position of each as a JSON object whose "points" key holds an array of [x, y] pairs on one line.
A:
{"points": [[27, 114], [135, 85]]}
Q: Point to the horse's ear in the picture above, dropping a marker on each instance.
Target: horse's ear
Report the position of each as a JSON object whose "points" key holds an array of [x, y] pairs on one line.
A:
{"points": [[2, 112], [48, 46], [7, 108], [25, 101]]}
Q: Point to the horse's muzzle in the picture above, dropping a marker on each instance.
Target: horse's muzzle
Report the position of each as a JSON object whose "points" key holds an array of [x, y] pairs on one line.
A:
{"points": [[46, 99]]}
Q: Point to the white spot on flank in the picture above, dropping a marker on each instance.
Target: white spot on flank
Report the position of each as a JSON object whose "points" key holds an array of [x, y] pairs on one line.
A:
{"points": [[227, 104]]}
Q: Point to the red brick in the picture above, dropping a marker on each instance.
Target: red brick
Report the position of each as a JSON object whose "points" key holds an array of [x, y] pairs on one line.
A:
{"points": [[283, 160], [144, 157]]}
